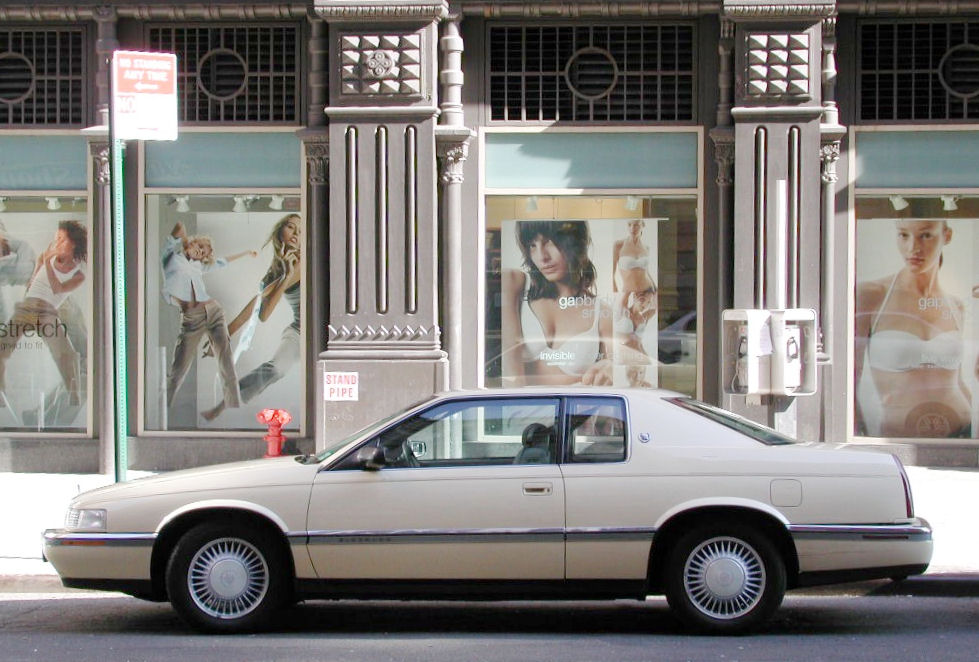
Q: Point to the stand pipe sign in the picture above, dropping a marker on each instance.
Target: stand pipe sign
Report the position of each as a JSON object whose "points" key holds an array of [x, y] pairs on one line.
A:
{"points": [[144, 95]]}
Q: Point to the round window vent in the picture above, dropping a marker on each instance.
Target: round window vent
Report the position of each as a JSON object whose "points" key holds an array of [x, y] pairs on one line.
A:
{"points": [[959, 71], [222, 73], [591, 73], [16, 77]]}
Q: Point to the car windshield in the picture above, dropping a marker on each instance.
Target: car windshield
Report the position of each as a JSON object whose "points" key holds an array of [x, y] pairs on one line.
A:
{"points": [[749, 428], [331, 450]]}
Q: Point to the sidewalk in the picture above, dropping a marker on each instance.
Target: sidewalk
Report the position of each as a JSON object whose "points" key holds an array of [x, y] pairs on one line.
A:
{"points": [[945, 497]]}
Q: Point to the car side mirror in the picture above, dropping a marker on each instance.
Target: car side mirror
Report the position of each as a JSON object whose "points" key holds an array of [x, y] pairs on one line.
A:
{"points": [[370, 458]]}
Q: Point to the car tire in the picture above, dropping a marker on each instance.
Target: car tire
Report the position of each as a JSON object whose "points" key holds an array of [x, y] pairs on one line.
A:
{"points": [[227, 577], [724, 579]]}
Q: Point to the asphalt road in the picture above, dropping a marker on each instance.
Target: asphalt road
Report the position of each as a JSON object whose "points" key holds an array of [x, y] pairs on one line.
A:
{"points": [[919, 619]]}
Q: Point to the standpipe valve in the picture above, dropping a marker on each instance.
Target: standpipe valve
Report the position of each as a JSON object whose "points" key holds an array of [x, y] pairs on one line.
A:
{"points": [[274, 419]]}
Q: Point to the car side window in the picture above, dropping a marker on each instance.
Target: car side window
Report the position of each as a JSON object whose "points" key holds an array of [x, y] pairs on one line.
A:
{"points": [[470, 433], [597, 429]]}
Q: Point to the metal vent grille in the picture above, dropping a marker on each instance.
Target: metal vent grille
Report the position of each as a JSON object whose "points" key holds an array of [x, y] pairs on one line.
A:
{"points": [[234, 73], [42, 77], [922, 70], [604, 73]]}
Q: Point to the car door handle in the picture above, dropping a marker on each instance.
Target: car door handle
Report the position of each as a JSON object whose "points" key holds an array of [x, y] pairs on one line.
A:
{"points": [[537, 489]]}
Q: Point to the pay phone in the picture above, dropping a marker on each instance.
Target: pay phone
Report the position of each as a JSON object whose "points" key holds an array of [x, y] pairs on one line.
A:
{"points": [[769, 351]]}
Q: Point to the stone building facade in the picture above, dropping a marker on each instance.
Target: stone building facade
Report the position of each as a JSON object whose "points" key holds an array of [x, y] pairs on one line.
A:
{"points": [[386, 167]]}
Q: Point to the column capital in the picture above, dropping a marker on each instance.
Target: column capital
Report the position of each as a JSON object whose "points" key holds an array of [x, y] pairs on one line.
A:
{"points": [[317, 151], [829, 154], [100, 154], [724, 156], [452, 149]]}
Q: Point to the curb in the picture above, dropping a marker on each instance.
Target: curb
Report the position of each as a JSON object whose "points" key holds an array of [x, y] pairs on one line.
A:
{"points": [[938, 585]]}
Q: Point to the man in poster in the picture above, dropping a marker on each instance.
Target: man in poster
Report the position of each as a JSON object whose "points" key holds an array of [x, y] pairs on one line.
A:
{"points": [[185, 260]]}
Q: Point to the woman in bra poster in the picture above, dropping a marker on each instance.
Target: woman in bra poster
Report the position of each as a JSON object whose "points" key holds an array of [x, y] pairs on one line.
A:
{"points": [[912, 377], [558, 298]]}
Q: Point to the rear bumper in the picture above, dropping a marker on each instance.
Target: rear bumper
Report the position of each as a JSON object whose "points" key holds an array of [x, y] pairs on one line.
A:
{"points": [[837, 553]]}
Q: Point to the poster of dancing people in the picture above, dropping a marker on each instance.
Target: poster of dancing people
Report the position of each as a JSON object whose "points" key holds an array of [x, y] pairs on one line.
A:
{"points": [[45, 315], [224, 332]]}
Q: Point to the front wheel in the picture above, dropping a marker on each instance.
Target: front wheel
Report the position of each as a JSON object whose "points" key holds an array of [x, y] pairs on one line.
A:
{"points": [[724, 579], [226, 578]]}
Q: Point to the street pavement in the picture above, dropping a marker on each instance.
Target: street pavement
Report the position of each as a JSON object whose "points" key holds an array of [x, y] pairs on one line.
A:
{"points": [[947, 498]]}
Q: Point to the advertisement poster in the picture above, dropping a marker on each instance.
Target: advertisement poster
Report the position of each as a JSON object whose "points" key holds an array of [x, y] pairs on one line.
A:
{"points": [[914, 328], [224, 321], [579, 302], [45, 317]]}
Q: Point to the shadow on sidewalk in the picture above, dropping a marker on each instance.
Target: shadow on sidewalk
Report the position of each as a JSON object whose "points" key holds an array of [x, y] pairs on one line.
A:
{"points": [[965, 585], [937, 585]]}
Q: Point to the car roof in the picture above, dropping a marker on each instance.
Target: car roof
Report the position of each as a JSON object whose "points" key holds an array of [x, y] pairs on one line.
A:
{"points": [[594, 391]]}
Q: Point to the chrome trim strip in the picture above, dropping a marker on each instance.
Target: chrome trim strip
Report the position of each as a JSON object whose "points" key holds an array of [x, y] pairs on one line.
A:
{"points": [[913, 532], [415, 536], [60, 537], [604, 534], [404, 536]]}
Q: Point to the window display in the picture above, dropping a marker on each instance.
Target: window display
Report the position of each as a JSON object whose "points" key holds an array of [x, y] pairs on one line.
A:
{"points": [[915, 320], [224, 331], [574, 294], [45, 313]]}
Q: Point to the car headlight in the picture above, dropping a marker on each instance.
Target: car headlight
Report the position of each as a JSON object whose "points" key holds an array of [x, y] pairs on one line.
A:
{"points": [[85, 519]]}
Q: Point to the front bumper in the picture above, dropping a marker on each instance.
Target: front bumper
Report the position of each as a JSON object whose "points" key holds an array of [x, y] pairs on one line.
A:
{"points": [[100, 556]]}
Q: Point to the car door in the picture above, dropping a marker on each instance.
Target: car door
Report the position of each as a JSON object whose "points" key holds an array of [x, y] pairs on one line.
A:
{"points": [[606, 539], [468, 489]]}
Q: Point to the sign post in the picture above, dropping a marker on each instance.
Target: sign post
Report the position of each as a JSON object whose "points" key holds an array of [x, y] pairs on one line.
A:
{"points": [[143, 106]]}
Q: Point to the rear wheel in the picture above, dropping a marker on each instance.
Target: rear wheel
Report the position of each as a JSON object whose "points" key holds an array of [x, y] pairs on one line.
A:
{"points": [[226, 577], [724, 579]]}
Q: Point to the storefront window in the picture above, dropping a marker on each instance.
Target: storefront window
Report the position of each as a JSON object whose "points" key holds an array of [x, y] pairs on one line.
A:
{"points": [[597, 290], [224, 333], [916, 321], [45, 313]]}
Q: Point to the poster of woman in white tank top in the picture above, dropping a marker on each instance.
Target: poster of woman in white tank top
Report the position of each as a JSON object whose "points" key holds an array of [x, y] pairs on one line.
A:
{"points": [[579, 302]]}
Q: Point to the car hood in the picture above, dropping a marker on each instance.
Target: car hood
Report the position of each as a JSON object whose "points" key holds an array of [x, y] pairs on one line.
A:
{"points": [[250, 473]]}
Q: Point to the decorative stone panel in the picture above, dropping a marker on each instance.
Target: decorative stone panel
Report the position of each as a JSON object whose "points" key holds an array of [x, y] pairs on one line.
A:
{"points": [[388, 64], [778, 65]]}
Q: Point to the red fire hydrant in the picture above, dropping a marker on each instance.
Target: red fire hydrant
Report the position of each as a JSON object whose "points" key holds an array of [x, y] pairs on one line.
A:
{"points": [[275, 419]]}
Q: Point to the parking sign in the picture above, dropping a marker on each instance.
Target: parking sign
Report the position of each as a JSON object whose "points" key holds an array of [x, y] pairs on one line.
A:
{"points": [[144, 95]]}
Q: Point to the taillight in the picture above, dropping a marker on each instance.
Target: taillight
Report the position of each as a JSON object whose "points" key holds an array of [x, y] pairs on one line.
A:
{"points": [[908, 501]]}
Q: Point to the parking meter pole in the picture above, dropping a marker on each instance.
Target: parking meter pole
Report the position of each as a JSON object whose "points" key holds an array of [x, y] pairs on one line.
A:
{"points": [[119, 304]]}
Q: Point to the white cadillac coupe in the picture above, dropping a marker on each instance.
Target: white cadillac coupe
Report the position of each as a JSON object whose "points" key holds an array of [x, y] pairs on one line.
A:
{"points": [[529, 494]]}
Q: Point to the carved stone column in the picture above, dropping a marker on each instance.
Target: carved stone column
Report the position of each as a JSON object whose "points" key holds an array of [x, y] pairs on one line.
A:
{"points": [[453, 149], [452, 146], [102, 323], [383, 328], [105, 19], [777, 115], [831, 132], [316, 147]]}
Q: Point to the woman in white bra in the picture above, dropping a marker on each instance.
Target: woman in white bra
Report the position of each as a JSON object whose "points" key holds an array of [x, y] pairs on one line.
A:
{"points": [[909, 334], [555, 328], [636, 300]]}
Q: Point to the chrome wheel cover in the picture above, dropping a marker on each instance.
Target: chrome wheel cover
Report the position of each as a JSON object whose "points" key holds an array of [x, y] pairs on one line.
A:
{"points": [[228, 578], [724, 578]]}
